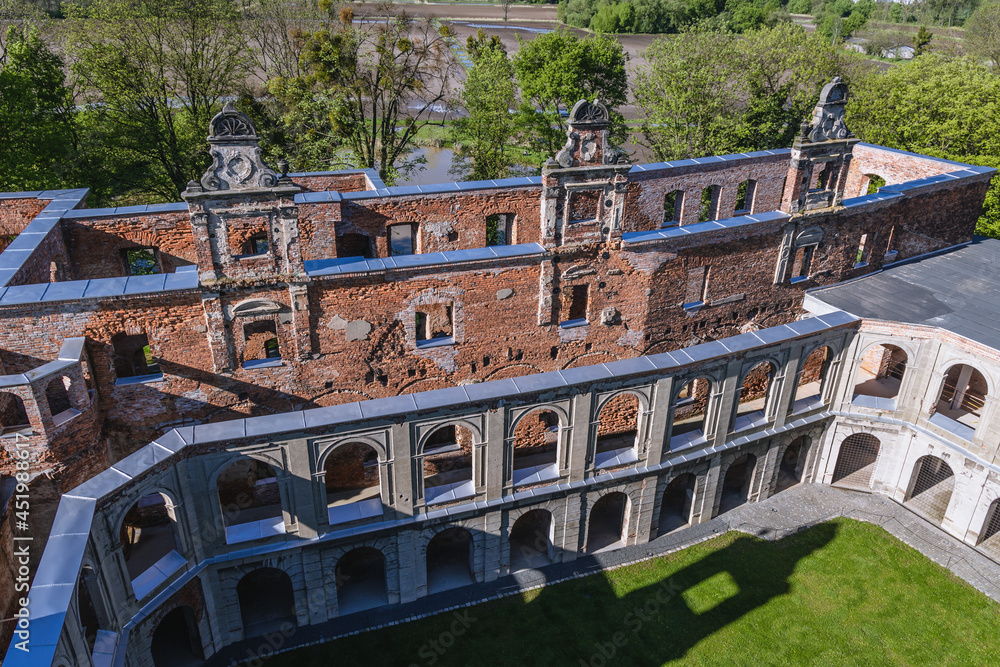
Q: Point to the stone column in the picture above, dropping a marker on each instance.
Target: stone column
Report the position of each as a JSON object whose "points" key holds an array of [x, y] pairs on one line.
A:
{"points": [[298, 297], [218, 341]]}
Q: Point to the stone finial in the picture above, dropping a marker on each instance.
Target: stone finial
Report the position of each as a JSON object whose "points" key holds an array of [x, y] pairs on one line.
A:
{"points": [[236, 154], [827, 122]]}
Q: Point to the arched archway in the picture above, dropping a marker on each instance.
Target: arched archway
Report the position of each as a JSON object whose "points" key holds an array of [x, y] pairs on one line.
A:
{"points": [[267, 602], [856, 461], [353, 489], [148, 538], [931, 487], [792, 464], [736, 483], [812, 376], [361, 580], [447, 465], [960, 403], [449, 560], [989, 536], [176, 640], [57, 396], [617, 431], [690, 406], [881, 372], [531, 540], [536, 448], [13, 415], [608, 522], [676, 505], [251, 501], [751, 410]]}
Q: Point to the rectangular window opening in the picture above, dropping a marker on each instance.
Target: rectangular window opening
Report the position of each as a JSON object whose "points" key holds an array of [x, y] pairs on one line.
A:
{"points": [[802, 263], [499, 229], [861, 259], [578, 296], [133, 356], [697, 284], [744, 197], [261, 341], [140, 261], [672, 204], [434, 322], [401, 240], [709, 209]]}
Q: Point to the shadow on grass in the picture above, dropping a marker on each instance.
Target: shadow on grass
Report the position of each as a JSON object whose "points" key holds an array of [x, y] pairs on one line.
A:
{"points": [[644, 615]]}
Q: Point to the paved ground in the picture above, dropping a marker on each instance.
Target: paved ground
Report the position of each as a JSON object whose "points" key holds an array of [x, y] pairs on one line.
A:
{"points": [[781, 515]]}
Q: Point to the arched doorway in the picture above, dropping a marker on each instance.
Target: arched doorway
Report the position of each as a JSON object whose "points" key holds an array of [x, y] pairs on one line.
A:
{"points": [[751, 411], [809, 388], [856, 461], [251, 501], [608, 521], [792, 464], [447, 465], [536, 448], [531, 540], [353, 490], [690, 405], [930, 487], [880, 373], [13, 415], [176, 640], [147, 536], [617, 431], [675, 507], [361, 580], [267, 602], [449, 560], [736, 484], [960, 404]]}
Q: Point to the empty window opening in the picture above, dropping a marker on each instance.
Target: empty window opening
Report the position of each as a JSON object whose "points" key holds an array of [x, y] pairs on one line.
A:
{"points": [[261, 340], [697, 286], [177, 640], [401, 239], [499, 229], [60, 405], [963, 396], [792, 464], [873, 183], [673, 202], [354, 245], [709, 208], [351, 473], [433, 321], [450, 560], [617, 431], [89, 606], [744, 196], [608, 523], [360, 576], [676, 504], [584, 205], [249, 494], [257, 244], [856, 461], [147, 534], [736, 484], [991, 527], [930, 488], [890, 246], [809, 387], [133, 356], [536, 443], [447, 465], [140, 261], [752, 408], [13, 415], [689, 412], [802, 263], [531, 541], [575, 299], [864, 251], [880, 373], [267, 602]]}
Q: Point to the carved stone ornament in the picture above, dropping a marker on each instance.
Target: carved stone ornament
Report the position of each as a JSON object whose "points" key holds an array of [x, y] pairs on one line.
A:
{"points": [[828, 117], [236, 155], [588, 113], [565, 156]]}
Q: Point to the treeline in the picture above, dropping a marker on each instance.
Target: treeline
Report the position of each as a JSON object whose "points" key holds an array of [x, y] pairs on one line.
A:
{"points": [[672, 16]]}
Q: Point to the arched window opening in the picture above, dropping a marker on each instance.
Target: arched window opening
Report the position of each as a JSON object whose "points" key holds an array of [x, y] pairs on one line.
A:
{"points": [[617, 431], [690, 408], [871, 184], [880, 375], [13, 415], [251, 501], [673, 202], [60, 406], [361, 580], [608, 525], [856, 461], [736, 484], [448, 465], [676, 505], [353, 490], [449, 560], [744, 197], [536, 445], [531, 541], [988, 539], [176, 640], [751, 410], [792, 464], [961, 401], [267, 602], [930, 487], [809, 388], [149, 543]]}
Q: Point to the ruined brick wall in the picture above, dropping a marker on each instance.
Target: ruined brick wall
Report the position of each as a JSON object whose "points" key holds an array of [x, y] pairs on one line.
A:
{"points": [[98, 243], [647, 189], [894, 166], [356, 182], [15, 215], [48, 263]]}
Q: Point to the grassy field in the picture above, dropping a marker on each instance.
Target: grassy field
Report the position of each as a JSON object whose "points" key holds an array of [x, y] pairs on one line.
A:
{"points": [[842, 593]]}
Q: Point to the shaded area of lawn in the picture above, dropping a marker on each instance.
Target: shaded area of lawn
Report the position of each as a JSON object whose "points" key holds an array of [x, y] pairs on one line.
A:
{"points": [[841, 593]]}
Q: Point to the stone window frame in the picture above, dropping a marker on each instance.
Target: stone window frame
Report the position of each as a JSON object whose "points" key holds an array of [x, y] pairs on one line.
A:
{"points": [[415, 243], [258, 310], [449, 296], [265, 229]]}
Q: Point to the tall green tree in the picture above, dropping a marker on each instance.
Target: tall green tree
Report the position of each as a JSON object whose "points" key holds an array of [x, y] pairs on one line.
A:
{"points": [[982, 33], [558, 69], [484, 135], [154, 73], [945, 107]]}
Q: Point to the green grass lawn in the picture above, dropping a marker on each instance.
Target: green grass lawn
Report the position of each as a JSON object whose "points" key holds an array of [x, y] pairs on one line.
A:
{"points": [[842, 593]]}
